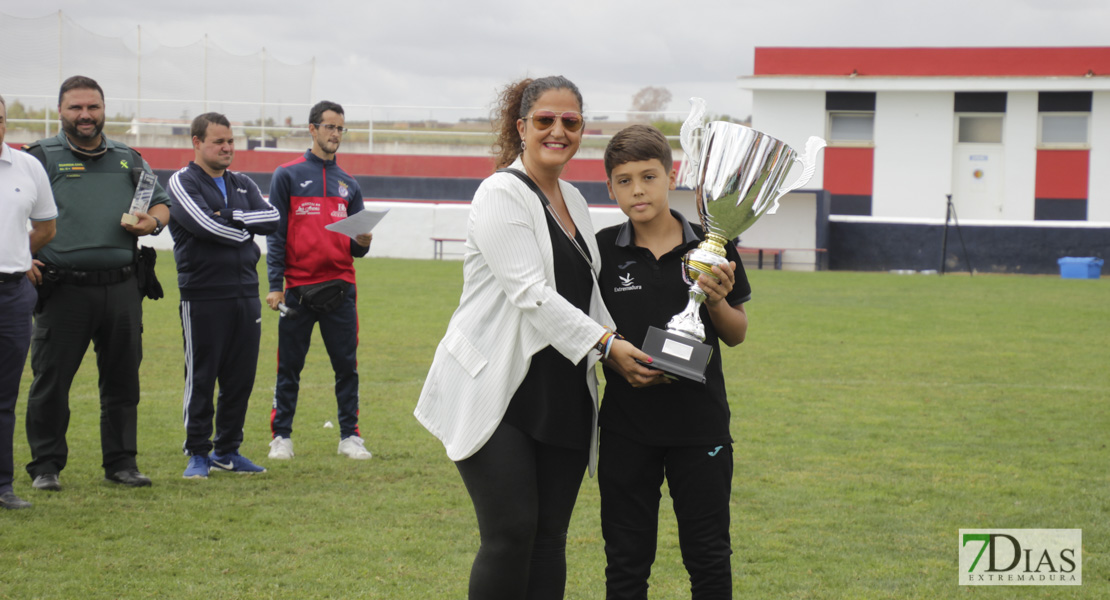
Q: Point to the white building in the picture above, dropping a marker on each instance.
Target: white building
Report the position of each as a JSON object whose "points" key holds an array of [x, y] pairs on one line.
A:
{"points": [[1012, 133], [1017, 136]]}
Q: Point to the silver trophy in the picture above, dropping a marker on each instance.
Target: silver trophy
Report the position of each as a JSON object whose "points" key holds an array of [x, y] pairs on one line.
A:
{"points": [[738, 175]]}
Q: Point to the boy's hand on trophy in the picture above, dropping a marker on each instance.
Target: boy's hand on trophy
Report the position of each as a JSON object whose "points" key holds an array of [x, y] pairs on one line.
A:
{"points": [[717, 288]]}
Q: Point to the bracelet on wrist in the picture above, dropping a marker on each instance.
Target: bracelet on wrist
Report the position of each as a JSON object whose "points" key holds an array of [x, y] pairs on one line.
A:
{"points": [[600, 346], [608, 347]]}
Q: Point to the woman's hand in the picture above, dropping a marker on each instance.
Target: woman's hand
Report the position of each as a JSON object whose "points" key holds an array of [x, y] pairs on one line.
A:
{"points": [[623, 358]]}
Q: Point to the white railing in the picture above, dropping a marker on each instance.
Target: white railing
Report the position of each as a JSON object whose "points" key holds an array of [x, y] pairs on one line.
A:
{"points": [[269, 124]]}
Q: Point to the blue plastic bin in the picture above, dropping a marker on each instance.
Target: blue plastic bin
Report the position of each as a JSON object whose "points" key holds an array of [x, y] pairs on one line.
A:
{"points": [[1086, 267]]}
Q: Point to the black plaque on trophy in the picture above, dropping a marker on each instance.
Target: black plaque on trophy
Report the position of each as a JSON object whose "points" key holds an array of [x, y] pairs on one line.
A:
{"points": [[677, 354]]}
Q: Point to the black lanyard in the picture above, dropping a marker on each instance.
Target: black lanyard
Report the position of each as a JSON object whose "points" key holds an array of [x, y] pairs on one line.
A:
{"points": [[547, 205]]}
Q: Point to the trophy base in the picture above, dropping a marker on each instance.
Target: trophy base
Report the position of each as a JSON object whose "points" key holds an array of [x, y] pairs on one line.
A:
{"points": [[677, 354], [129, 219]]}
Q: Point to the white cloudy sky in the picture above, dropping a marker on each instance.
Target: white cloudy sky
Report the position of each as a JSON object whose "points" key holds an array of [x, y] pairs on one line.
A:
{"points": [[457, 53]]}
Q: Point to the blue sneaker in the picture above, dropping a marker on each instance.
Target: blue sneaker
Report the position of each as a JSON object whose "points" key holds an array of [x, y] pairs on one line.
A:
{"points": [[234, 463], [198, 468]]}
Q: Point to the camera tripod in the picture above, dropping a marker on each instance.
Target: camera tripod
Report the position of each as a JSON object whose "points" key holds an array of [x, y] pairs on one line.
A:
{"points": [[950, 216]]}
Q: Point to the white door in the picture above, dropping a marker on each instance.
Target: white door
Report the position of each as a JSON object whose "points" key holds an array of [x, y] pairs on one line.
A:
{"points": [[977, 170]]}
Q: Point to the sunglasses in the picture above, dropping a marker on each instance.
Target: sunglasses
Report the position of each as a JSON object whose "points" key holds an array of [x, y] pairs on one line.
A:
{"points": [[545, 119]]}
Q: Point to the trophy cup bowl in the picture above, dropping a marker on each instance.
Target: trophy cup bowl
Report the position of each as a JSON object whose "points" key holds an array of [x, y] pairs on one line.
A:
{"points": [[738, 175]]}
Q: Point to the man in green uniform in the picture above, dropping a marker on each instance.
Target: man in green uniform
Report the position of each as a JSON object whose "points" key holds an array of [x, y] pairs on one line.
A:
{"points": [[90, 288]]}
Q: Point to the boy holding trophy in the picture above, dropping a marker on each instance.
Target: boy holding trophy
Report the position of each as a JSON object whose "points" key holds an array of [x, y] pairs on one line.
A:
{"points": [[680, 428]]}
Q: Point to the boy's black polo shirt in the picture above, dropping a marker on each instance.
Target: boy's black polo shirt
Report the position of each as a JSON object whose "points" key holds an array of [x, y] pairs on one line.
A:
{"points": [[639, 292]]}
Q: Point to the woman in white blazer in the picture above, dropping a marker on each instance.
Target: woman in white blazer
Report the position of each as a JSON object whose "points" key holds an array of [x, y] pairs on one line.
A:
{"points": [[512, 391]]}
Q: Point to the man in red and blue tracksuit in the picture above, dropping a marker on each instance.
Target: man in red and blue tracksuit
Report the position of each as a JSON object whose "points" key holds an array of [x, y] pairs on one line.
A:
{"points": [[215, 215], [305, 260]]}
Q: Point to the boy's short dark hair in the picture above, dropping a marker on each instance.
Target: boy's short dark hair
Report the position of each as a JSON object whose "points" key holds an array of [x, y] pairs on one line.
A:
{"points": [[635, 143]]}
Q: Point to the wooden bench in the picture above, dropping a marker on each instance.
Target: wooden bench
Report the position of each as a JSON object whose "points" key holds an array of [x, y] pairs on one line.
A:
{"points": [[776, 252], [437, 246], [822, 254]]}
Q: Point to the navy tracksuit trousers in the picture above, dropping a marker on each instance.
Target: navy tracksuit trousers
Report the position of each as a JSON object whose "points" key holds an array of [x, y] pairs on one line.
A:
{"points": [[221, 346], [17, 300], [339, 330]]}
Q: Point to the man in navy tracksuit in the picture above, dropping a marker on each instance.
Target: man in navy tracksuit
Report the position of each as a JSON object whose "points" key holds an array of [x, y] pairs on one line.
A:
{"points": [[303, 258], [213, 221]]}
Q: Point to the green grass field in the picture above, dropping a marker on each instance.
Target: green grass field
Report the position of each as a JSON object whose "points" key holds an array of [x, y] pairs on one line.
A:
{"points": [[875, 415]]}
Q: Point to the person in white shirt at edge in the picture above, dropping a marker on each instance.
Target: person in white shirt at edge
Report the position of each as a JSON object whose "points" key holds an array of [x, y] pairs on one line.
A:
{"points": [[512, 391], [25, 193]]}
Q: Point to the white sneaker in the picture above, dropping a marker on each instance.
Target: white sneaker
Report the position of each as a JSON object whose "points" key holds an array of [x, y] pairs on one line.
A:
{"points": [[281, 448], [354, 447]]}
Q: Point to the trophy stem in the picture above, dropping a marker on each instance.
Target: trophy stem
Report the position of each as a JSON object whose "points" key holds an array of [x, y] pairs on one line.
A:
{"points": [[688, 322]]}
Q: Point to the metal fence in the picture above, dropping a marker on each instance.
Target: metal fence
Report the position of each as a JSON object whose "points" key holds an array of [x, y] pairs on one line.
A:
{"points": [[153, 91]]}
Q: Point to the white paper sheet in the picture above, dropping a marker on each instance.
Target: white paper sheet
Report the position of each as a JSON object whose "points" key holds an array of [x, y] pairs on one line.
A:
{"points": [[358, 223]]}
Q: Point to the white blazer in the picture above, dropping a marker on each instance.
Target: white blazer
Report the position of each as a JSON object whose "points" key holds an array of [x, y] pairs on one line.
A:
{"points": [[509, 310]]}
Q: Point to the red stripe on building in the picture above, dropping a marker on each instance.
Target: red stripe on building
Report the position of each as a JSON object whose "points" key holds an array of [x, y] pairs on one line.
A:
{"points": [[381, 165], [1063, 174], [849, 171], [934, 62]]}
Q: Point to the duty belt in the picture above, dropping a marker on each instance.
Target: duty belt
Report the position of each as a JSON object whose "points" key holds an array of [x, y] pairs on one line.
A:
{"points": [[100, 277], [10, 277]]}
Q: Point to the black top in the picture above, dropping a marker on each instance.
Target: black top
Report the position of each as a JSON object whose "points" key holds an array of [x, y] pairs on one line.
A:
{"points": [[639, 292], [553, 403]]}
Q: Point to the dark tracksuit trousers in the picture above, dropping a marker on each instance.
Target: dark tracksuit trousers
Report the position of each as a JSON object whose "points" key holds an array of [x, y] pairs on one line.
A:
{"points": [[339, 330], [221, 345], [630, 476], [111, 317], [17, 300]]}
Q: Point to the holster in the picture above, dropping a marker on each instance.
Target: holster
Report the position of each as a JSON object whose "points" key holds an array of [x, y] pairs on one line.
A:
{"points": [[145, 275], [50, 280]]}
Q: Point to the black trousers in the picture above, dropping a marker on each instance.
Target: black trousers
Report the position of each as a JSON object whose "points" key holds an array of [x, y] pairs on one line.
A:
{"points": [[17, 300], [221, 345], [111, 317], [523, 493], [339, 330], [630, 475]]}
